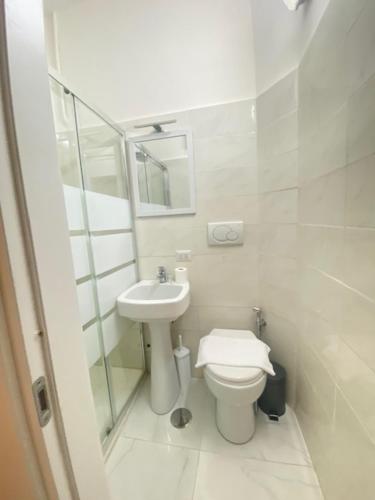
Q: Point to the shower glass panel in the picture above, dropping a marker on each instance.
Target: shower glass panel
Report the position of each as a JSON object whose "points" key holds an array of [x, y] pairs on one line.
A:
{"points": [[91, 159], [156, 183], [153, 179]]}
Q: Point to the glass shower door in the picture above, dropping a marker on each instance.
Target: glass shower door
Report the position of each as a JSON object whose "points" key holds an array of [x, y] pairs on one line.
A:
{"points": [[113, 250], [92, 166]]}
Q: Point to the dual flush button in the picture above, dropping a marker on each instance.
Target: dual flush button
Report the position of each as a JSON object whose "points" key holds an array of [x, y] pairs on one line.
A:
{"points": [[225, 233]]}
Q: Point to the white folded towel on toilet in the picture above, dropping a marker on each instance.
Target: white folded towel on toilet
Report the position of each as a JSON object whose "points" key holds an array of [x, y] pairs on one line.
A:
{"points": [[229, 351]]}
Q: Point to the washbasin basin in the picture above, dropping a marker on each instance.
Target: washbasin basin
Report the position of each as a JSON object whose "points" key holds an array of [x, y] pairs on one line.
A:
{"points": [[149, 300]]}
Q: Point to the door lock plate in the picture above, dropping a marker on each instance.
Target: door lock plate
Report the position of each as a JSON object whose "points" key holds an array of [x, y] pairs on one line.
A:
{"points": [[42, 401]]}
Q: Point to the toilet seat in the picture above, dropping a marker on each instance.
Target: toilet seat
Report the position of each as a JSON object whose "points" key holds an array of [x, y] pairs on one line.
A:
{"points": [[234, 374]]}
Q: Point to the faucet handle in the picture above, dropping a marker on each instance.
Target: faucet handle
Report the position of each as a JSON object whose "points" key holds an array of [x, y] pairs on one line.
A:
{"points": [[162, 274], [258, 310]]}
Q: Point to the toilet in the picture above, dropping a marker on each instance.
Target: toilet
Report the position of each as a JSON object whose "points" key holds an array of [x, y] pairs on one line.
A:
{"points": [[236, 389]]}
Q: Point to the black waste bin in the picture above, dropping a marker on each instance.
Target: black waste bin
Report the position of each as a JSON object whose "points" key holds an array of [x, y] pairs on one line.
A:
{"points": [[272, 400]]}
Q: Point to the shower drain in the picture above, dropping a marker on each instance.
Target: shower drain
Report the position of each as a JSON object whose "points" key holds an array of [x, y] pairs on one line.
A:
{"points": [[181, 417]]}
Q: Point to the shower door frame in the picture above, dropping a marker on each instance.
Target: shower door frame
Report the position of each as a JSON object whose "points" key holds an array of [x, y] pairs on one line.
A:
{"points": [[108, 441]]}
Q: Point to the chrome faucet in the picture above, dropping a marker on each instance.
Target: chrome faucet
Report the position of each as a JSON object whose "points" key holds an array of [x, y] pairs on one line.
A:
{"points": [[260, 321], [162, 274]]}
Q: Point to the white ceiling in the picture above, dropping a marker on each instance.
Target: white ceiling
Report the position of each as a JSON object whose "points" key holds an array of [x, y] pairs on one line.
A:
{"points": [[281, 37], [239, 49]]}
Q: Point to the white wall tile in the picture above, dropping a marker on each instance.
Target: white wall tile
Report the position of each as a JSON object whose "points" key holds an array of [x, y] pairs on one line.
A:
{"points": [[360, 47], [227, 280], [323, 295], [189, 320], [164, 235], [319, 377], [280, 172], [279, 137], [278, 239], [219, 152], [360, 195], [225, 119], [323, 201], [281, 336], [325, 150], [361, 122], [233, 181], [279, 207], [322, 248], [244, 208], [279, 100], [111, 286], [112, 250], [241, 318], [86, 301], [336, 317], [107, 212], [281, 301], [359, 271], [279, 271], [350, 441], [80, 256], [358, 325]]}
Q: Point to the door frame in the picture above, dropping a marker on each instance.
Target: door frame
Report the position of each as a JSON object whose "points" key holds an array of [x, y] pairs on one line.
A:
{"points": [[36, 236]]}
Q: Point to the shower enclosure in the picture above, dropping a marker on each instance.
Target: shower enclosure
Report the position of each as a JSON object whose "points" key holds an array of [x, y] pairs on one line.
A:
{"points": [[153, 179], [93, 171]]}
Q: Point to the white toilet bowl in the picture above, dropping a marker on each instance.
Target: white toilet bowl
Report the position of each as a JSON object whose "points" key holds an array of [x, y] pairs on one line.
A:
{"points": [[236, 389]]}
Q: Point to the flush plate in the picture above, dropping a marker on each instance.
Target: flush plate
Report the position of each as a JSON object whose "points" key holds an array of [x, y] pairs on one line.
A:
{"points": [[225, 233]]}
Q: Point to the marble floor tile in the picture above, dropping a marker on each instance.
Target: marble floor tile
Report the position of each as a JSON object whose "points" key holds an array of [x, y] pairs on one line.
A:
{"points": [[273, 465], [143, 423], [150, 471], [273, 441], [119, 450], [221, 478]]}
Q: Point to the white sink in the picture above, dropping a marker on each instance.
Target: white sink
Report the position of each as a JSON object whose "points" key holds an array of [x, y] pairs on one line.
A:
{"points": [[158, 304], [150, 300]]}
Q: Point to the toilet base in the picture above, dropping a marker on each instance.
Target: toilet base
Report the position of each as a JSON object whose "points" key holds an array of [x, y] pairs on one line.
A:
{"points": [[235, 423]]}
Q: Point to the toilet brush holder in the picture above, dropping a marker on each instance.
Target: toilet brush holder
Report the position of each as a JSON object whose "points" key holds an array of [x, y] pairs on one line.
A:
{"points": [[181, 417], [182, 357]]}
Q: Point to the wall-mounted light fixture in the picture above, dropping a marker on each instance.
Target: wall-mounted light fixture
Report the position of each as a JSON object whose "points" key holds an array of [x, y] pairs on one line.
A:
{"points": [[293, 4]]}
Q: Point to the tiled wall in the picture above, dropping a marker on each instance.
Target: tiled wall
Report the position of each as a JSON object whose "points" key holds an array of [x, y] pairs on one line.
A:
{"points": [[278, 195], [310, 263], [336, 235], [317, 285], [223, 279]]}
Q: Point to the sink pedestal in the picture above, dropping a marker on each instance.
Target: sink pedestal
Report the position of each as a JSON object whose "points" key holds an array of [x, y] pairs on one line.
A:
{"points": [[165, 387], [158, 304]]}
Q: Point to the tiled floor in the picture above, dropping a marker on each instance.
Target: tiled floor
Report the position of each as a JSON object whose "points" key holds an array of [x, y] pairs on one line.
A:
{"points": [[154, 461]]}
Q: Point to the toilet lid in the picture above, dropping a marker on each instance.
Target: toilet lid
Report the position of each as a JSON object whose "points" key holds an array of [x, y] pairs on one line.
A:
{"points": [[234, 373]]}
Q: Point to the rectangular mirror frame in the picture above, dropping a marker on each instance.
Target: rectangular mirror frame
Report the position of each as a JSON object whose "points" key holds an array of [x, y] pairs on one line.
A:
{"points": [[131, 144]]}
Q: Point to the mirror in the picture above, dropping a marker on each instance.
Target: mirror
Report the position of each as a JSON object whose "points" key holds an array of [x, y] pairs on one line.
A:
{"points": [[163, 173]]}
